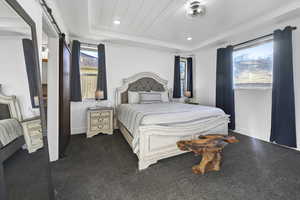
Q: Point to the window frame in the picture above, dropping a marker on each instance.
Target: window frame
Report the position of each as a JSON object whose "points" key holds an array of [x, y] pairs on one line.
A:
{"points": [[247, 46], [183, 60]]}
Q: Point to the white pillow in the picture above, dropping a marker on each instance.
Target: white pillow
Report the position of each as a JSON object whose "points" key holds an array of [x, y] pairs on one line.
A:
{"points": [[164, 96], [133, 97], [150, 97]]}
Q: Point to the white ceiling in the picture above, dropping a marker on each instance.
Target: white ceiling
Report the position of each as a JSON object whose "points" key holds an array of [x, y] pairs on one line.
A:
{"points": [[11, 24], [163, 22]]}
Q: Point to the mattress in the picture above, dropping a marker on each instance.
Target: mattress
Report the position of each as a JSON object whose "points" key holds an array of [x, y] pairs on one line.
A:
{"points": [[166, 114], [10, 129]]}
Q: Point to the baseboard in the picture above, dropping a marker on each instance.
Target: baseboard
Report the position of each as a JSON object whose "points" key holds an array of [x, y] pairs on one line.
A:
{"points": [[76, 131], [246, 132]]}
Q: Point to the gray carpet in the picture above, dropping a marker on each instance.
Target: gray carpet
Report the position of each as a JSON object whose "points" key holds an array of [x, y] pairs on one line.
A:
{"points": [[104, 167], [25, 176]]}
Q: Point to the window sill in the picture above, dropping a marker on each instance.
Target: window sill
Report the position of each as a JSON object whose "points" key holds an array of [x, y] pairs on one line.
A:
{"points": [[89, 100], [253, 88]]}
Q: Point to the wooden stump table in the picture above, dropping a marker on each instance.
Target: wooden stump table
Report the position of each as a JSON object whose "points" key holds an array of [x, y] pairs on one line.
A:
{"points": [[210, 147]]}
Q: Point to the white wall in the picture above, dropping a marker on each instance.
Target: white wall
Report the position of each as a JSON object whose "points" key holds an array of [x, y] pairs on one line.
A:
{"points": [[53, 96], [253, 107], [13, 75], [122, 62]]}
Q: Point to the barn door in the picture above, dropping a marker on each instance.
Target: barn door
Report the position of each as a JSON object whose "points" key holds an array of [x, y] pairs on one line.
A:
{"points": [[64, 96]]}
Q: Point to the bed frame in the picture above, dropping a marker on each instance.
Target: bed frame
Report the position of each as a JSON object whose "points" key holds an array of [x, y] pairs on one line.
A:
{"points": [[10, 105], [158, 142]]}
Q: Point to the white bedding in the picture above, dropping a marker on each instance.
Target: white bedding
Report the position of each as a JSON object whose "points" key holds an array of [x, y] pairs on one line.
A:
{"points": [[169, 114], [10, 129]]}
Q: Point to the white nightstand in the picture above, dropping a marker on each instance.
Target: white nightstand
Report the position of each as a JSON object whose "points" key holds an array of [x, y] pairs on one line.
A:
{"points": [[99, 120], [33, 134]]}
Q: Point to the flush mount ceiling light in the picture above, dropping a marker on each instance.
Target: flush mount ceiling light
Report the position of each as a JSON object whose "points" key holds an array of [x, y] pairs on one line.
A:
{"points": [[189, 38], [195, 8], [117, 22]]}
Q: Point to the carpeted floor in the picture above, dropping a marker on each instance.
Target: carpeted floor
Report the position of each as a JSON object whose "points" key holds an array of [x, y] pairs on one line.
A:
{"points": [[26, 176], [104, 167]]}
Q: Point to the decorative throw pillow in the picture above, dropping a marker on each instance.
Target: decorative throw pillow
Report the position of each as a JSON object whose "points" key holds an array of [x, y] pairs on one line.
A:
{"points": [[150, 97], [164, 96], [133, 97]]}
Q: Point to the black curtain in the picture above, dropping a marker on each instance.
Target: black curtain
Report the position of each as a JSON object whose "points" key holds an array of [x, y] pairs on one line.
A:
{"points": [[31, 69], [75, 73], [190, 75], [102, 81], [177, 86], [224, 84], [283, 128]]}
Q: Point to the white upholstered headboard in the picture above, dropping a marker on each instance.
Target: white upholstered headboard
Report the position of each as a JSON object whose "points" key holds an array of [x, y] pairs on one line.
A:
{"points": [[144, 81], [10, 104]]}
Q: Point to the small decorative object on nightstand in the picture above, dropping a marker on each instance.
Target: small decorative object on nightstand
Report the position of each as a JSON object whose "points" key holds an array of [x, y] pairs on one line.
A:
{"points": [[99, 120], [33, 134]]}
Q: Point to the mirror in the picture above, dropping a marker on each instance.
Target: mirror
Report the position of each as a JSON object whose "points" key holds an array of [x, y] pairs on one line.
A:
{"points": [[24, 167]]}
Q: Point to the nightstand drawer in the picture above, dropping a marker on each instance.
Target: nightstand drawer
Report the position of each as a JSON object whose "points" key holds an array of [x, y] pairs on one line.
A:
{"points": [[33, 124], [100, 127], [35, 129], [36, 132], [101, 114], [100, 120], [36, 139]]}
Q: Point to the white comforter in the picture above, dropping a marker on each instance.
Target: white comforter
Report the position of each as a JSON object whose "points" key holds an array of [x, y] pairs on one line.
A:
{"points": [[10, 129], [134, 115]]}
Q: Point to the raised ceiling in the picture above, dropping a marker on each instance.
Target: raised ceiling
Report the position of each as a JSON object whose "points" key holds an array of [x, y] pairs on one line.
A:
{"points": [[163, 22]]}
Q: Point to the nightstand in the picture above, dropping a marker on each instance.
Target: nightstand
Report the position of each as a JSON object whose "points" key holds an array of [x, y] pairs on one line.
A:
{"points": [[33, 134], [99, 120]]}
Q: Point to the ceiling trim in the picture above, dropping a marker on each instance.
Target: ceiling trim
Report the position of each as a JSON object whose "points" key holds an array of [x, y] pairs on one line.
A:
{"points": [[271, 17], [108, 35]]}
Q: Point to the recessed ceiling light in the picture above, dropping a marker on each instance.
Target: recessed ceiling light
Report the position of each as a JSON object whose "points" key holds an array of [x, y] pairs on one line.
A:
{"points": [[117, 22], [189, 38]]}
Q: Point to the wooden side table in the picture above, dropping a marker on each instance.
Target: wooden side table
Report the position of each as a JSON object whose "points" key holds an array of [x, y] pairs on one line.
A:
{"points": [[210, 147], [99, 120], [33, 134]]}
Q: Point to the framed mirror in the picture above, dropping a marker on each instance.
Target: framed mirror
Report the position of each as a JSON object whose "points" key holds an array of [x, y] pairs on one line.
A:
{"points": [[24, 158]]}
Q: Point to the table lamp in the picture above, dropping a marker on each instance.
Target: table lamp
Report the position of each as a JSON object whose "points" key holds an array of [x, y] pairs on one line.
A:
{"points": [[187, 94]]}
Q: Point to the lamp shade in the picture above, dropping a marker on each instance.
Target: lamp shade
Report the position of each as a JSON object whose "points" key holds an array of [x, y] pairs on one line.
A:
{"points": [[99, 94], [187, 94]]}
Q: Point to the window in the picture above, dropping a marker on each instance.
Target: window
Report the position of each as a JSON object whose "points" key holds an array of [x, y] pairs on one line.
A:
{"points": [[88, 72], [252, 66], [183, 79]]}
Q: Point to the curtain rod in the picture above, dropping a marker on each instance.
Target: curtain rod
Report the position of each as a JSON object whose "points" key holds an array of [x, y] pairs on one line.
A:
{"points": [[259, 38], [50, 15]]}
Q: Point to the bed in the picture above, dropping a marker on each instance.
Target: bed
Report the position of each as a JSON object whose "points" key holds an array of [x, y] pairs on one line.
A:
{"points": [[11, 132], [152, 130], [11, 138]]}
